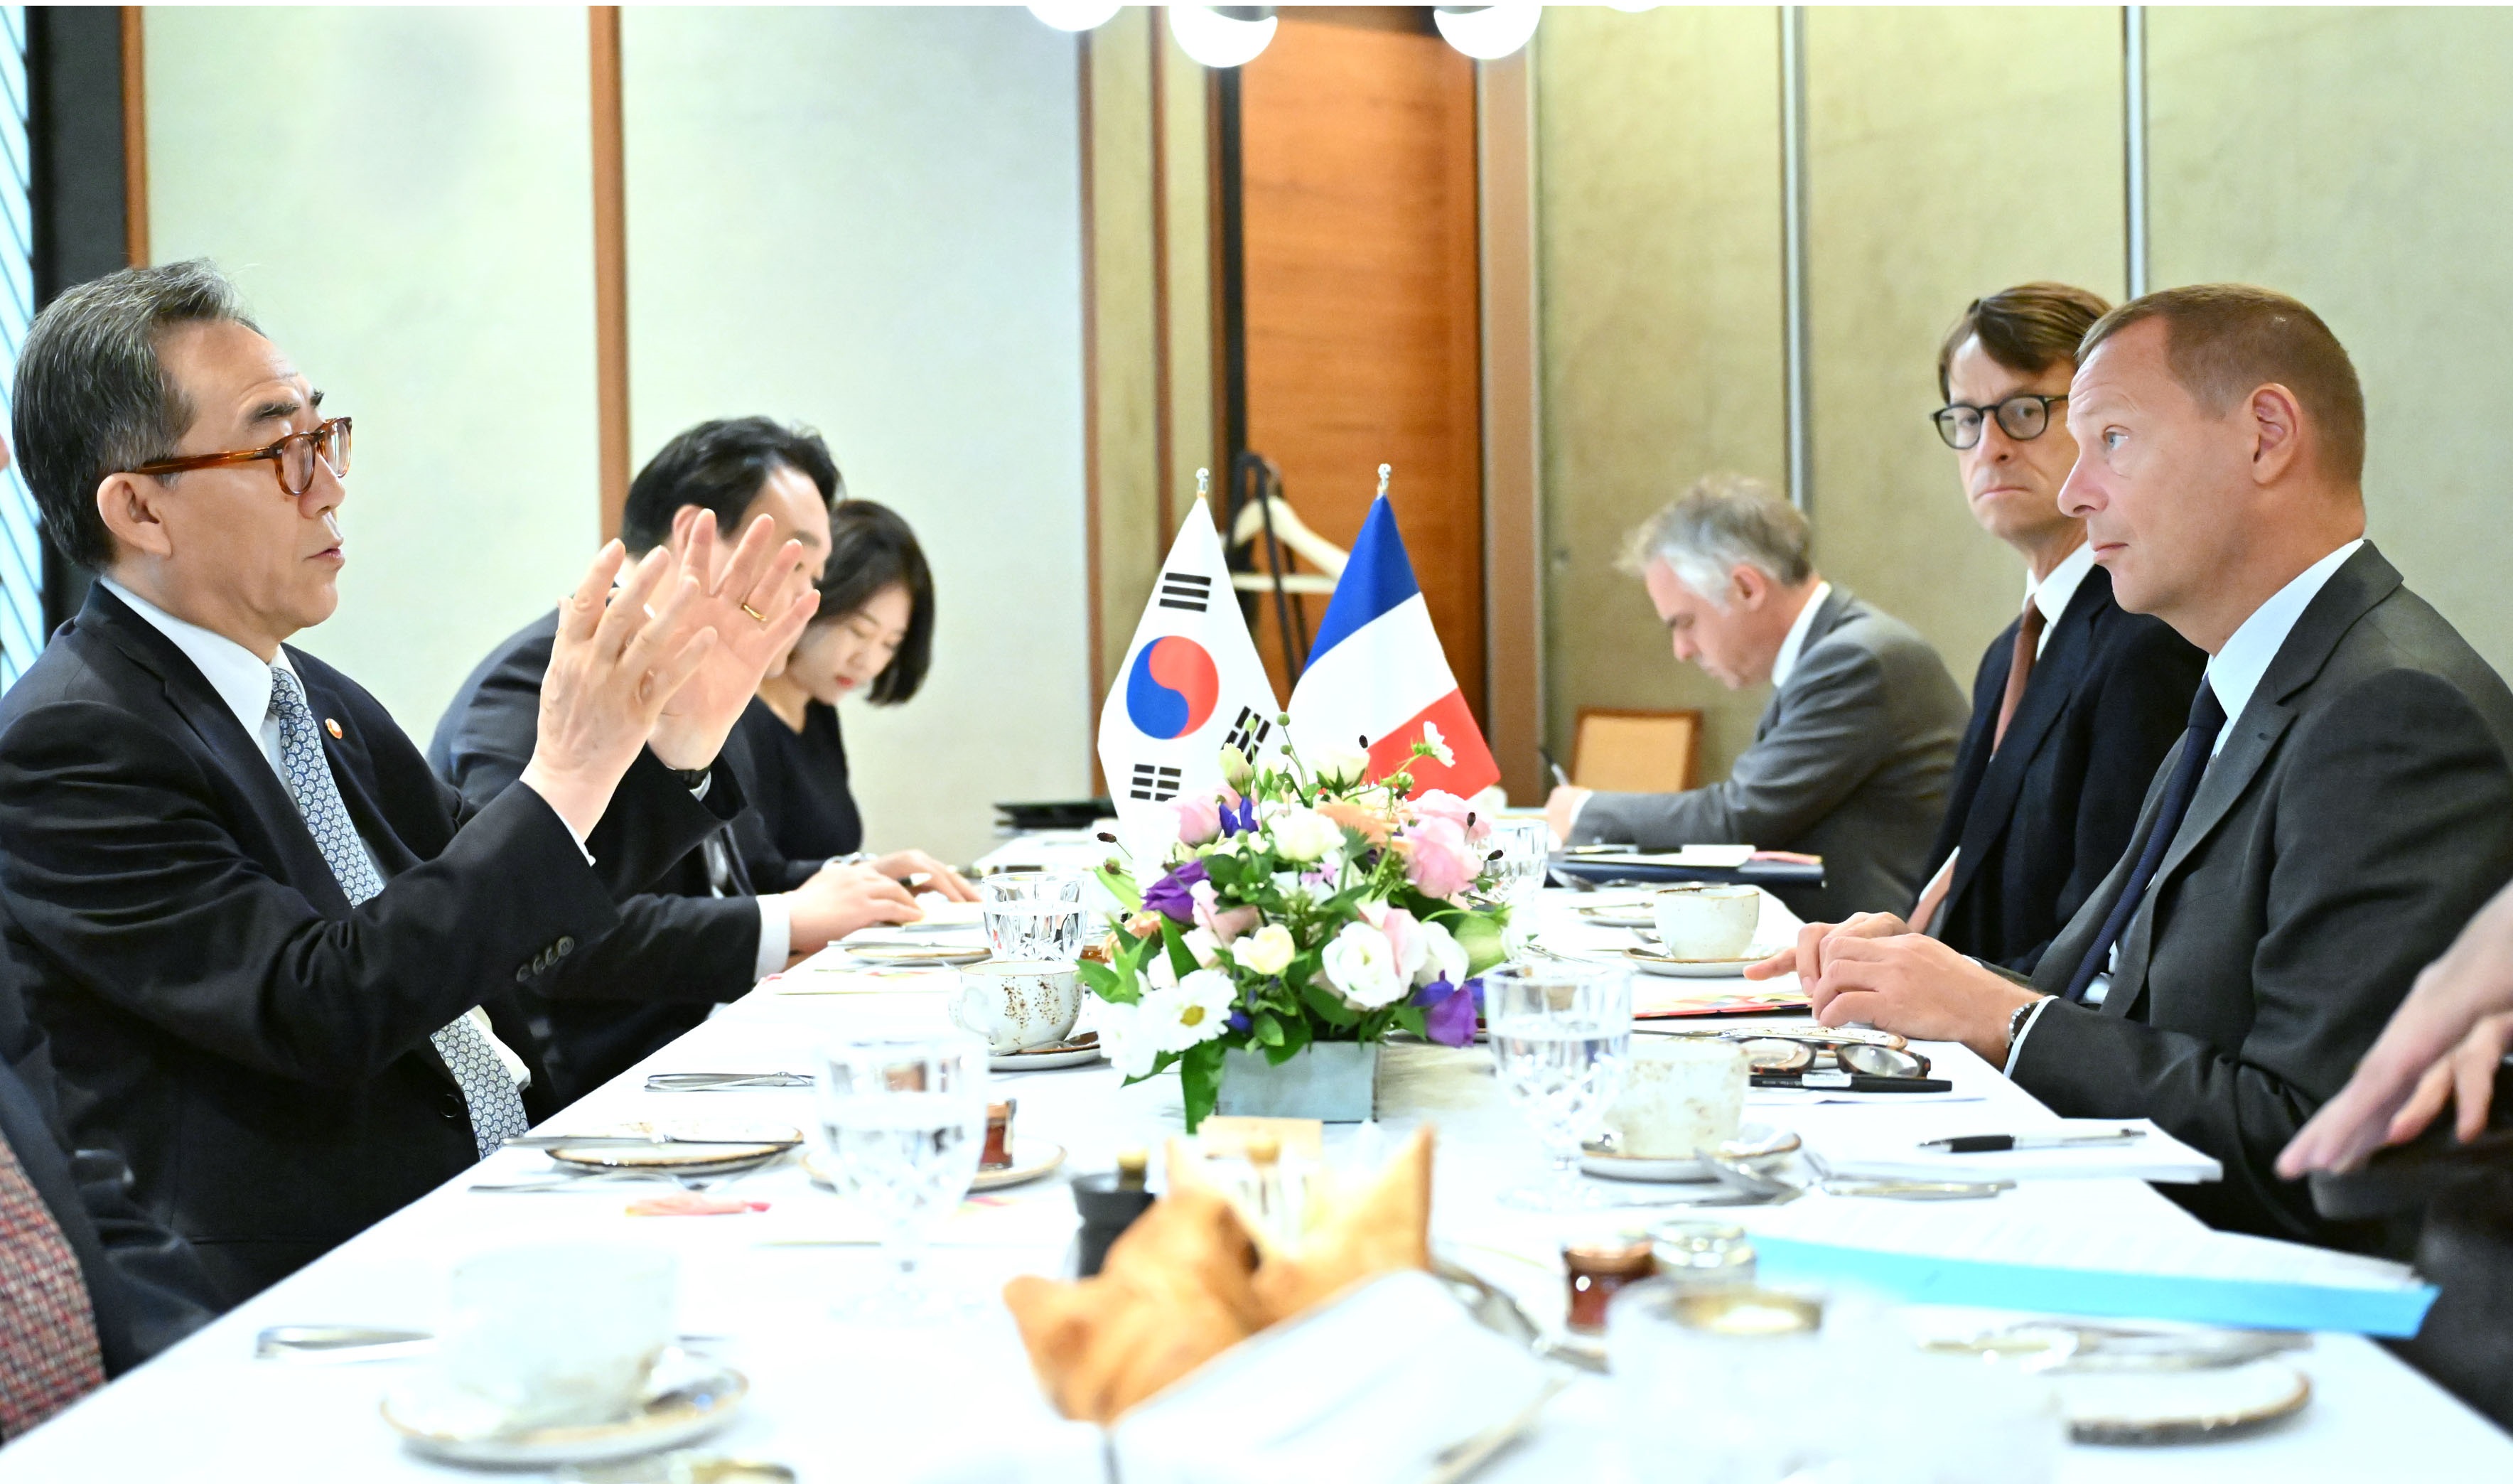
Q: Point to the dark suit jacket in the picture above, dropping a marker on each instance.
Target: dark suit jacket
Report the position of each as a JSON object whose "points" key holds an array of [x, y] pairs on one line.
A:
{"points": [[1849, 762], [147, 1285], [2360, 810], [677, 950], [2045, 820], [219, 1017]]}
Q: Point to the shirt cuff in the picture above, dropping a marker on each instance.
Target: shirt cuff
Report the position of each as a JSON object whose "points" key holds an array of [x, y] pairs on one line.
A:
{"points": [[2015, 1047], [775, 935]]}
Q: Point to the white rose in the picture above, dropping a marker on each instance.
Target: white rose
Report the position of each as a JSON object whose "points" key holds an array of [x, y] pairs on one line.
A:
{"points": [[1267, 950], [1127, 1040], [1159, 972], [1341, 767], [1304, 834], [1195, 1012], [1203, 945], [1361, 962], [1443, 956]]}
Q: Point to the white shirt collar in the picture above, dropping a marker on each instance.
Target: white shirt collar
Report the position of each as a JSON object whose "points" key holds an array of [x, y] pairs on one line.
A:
{"points": [[232, 671], [2053, 593], [2234, 671], [1796, 637]]}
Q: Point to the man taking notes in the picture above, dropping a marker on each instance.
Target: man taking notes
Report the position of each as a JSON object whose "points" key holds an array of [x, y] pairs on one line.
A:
{"points": [[2076, 702], [2338, 805], [271, 950], [1850, 758]]}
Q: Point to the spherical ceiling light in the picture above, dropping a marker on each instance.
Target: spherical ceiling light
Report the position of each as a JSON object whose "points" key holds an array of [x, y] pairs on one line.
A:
{"points": [[1074, 14], [1222, 35], [1488, 32]]}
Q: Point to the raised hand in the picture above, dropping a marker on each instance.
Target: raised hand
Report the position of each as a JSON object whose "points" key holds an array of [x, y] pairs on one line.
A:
{"points": [[757, 598], [618, 659]]}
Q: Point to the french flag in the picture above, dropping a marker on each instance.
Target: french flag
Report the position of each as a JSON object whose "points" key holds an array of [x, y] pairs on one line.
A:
{"points": [[1377, 675]]}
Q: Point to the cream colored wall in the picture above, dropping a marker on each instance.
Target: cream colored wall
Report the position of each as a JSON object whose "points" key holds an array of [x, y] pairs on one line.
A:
{"points": [[405, 197], [1950, 152], [1659, 219], [1126, 375], [2363, 161], [869, 219]]}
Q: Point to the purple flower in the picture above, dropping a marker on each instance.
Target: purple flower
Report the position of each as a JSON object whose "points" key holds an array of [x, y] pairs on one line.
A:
{"points": [[1448, 1010], [1172, 896], [1240, 820], [1239, 1020]]}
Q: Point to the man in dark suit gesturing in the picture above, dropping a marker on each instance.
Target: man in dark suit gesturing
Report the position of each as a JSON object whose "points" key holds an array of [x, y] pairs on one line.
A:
{"points": [[267, 944], [2338, 805], [2076, 702]]}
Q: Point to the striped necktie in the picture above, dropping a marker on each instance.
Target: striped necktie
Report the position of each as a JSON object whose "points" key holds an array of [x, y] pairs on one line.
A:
{"points": [[2198, 745], [488, 1088], [48, 1355]]}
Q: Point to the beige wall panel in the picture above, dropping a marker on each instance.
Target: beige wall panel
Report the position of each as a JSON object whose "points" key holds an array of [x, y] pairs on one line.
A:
{"points": [[2362, 160], [1659, 229], [1950, 152], [869, 219], [414, 226], [1194, 440], [1127, 392]]}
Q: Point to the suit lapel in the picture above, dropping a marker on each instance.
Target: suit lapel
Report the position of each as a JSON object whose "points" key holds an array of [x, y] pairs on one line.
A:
{"points": [[1827, 618], [2046, 692]]}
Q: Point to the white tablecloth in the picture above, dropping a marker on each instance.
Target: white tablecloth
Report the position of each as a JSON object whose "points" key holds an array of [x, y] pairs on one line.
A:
{"points": [[855, 1405]]}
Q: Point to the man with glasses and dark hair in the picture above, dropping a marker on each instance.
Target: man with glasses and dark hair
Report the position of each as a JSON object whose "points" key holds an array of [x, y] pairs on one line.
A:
{"points": [[2076, 702], [273, 953], [731, 912]]}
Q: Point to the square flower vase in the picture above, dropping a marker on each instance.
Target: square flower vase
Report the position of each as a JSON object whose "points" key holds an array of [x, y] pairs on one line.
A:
{"points": [[1334, 1081]]}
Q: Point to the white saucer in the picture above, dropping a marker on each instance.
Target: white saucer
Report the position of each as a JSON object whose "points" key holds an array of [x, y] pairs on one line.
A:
{"points": [[1649, 961], [1617, 914], [1031, 1158], [2148, 1407], [908, 955], [1753, 1141], [712, 1158], [1046, 1058], [688, 1399]]}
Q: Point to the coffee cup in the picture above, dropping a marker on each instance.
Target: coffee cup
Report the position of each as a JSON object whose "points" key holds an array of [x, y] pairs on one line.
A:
{"points": [[1705, 922], [1015, 1006], [1680, 1094], [559, 1334]]}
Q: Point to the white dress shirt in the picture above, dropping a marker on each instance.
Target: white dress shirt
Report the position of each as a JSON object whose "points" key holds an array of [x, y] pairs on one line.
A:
{"points": [[2234, 673], [2054, 592], [1794, 640], [243, 682]]}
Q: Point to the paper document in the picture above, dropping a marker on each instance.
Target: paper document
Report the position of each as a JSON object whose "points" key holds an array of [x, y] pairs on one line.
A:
{"points": [[1891, 1151], [1695, 857], [1983, 1255]]}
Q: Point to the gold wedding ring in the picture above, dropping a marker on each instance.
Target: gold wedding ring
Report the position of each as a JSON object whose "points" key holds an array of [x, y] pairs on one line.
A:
{"points": [[754, 613]]}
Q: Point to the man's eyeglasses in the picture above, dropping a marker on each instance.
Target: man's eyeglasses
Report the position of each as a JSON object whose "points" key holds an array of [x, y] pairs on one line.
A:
{"points": [[292, 457], [2023, 417]]}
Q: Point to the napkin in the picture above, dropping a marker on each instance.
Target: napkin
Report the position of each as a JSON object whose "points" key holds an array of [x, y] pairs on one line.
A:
{"points": [[1188, 1281]]}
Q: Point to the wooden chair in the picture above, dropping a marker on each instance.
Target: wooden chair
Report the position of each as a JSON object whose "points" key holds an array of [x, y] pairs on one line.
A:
{"points": [[1636, 752]]}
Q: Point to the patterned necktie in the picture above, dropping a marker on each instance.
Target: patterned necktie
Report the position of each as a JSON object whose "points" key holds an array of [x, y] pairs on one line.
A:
{"points": [[488, 1088], [2207, 719], [49, 1355]]}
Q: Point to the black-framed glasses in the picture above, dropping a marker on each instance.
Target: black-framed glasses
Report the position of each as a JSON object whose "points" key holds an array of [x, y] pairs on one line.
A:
{"points": [[2024, 416], [291, 458]]}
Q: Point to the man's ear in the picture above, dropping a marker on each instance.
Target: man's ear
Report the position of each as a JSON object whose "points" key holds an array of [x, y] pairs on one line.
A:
{"points": [[2277, 433], [128, 503], [683, 520], [1748, 585]]}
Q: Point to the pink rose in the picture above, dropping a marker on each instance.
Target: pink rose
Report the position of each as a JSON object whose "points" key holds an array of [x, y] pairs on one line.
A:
{"points": [[1225, 927], [1437, 804], [1438, 859], [1199, 820]]}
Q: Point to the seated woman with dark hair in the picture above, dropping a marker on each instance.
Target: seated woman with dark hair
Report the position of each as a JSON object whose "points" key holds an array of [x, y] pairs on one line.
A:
{"points": [[873, 634]]}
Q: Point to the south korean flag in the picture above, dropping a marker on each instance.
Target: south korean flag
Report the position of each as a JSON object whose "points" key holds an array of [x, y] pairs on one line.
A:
{"points": [[1191, 683]]}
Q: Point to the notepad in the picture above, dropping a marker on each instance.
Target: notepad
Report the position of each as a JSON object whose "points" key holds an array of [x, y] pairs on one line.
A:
{"points": [[1977, 1254], [1891, 1151]]}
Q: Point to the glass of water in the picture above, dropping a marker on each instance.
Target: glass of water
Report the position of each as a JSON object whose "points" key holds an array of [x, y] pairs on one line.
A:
{"points": [[903, 1120], [1560, 1035], [1522, 850], [1033, 915]]}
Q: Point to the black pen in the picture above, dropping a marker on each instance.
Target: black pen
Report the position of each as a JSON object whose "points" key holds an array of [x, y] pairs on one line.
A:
{"points": [[2000, 1144], [1852, 1082]]}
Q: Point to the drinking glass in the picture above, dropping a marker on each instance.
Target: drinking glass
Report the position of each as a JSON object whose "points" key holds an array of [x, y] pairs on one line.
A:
{"points": [[903, 1119], [1524, 849], [1033, 915], [1560, 1034]]}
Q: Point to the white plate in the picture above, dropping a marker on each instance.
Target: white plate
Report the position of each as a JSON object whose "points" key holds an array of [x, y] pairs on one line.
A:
{"points": [[2146, 1407], [712, 1158], [1649, 961], [1753, 1141], [1045, 1058], [918, 954], [687, 1400], [1031, 1158], [1617, 914]]}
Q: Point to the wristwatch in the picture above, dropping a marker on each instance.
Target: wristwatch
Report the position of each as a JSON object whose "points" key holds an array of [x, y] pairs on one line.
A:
{"points": [[2016, 1021], [695, 779]]}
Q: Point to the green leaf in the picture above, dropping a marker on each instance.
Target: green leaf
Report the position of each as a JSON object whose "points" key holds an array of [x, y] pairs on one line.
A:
{"points": [[1479, 934], [1121, 886], [1327, 1006], [1200, 1080], [1296, 1039], [1409, 1018], [1265, 1029], [1107, 984], [1181, 960]]}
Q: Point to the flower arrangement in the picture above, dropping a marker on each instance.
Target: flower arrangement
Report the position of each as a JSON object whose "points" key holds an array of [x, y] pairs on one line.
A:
{"points": [[1298, 905]]}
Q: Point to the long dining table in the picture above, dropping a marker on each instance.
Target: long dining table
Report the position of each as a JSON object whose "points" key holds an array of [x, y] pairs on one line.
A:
{"points": [[956, 1400]]}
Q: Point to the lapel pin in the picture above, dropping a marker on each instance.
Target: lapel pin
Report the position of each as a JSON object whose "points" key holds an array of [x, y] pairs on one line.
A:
{"points": [[333, 727]]}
